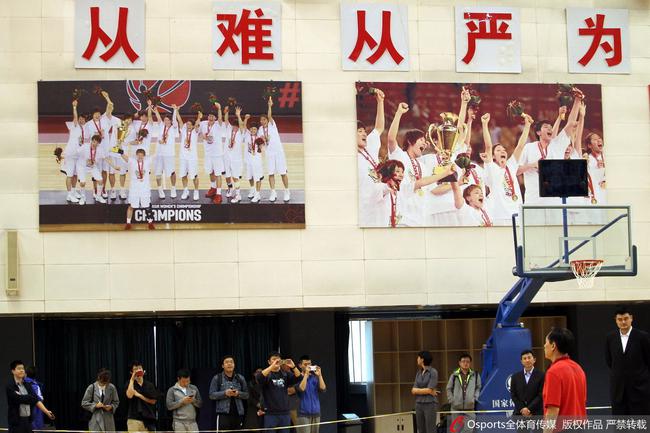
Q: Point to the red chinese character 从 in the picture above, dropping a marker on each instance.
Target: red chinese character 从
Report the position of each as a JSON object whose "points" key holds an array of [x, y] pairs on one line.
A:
{"points": [[481, 31], [98, 35], [254, 37], [597, 30], [385, 42]]}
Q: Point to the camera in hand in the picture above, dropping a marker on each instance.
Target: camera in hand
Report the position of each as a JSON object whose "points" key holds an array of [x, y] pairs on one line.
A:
{"points": [[313, 368]]}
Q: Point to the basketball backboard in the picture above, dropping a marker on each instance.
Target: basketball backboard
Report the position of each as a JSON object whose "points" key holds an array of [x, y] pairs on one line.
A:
{"points": [[548, 238]]}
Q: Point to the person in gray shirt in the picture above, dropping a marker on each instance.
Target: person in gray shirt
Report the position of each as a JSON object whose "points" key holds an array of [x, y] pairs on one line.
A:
{"points": [[425, 392], [183, 399]]}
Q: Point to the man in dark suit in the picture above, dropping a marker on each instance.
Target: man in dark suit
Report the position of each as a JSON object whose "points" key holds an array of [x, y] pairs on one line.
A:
{"points": [[526, 388], [21, 401], [627, 353]]}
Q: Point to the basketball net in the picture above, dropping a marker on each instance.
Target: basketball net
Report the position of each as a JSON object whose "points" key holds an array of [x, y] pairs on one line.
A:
{"points": [[585, 271]]}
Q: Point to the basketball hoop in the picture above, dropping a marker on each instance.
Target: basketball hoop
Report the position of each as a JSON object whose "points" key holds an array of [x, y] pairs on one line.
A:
{"points": [[585, 271]]}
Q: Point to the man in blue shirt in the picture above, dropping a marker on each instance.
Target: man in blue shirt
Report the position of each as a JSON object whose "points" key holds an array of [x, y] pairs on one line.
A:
{"points": [[310, 386]]}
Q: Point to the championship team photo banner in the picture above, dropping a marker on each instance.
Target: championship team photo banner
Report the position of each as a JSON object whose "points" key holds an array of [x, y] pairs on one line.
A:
{"points": [[452, 154], [170, 154]]}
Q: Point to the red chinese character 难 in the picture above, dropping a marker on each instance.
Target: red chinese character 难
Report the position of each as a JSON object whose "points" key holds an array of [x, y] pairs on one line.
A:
{"points": [[481, 31], [597, 30], [98, 35], [385, 42], [255, 37]]}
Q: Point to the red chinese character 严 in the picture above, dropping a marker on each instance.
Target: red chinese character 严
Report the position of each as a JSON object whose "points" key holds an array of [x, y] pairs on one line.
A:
{"points": [[385, 42], [121, 40], [481, 31], [255, 37], [597, 30]]}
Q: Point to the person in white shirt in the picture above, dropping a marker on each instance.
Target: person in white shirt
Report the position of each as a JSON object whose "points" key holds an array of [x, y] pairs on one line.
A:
{"points": [[391, 174], [165, 160], [139, 186], [143, 123], [439, 205], [92, 157], [71, 165], [102, 125], [546, 147], [228, 136], [276, 161], [470, 205], [211, 134], [234, 155], [116, 159], [371, 190], [411, 194], [189, 161], [501, 173], [594, 144], [255, 148]]}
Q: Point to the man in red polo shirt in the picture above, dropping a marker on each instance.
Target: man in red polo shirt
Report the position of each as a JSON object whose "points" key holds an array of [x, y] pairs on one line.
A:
{"points": [[565, 385]]}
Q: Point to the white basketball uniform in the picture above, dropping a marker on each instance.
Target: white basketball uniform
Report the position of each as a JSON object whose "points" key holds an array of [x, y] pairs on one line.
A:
{"points": [[254, 166], [165, 161], [189, 159], [145, 143], [234, 153], [410, 202], [276, 161], [533, 152], [139, 186], [372, 201], [505, 194], [596, 168], [90, 162], [470, 216], [76, 140], [213, 146]]}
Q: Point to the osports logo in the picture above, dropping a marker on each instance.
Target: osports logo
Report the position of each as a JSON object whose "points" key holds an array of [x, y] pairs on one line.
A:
{"points": [[457, 424], [164, 93]]}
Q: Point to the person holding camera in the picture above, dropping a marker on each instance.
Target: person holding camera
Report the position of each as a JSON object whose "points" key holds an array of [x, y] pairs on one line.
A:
{"points": [[101, 400], [183, 399], [229, 389], [310, 386], [142, 396], [274, 382]]}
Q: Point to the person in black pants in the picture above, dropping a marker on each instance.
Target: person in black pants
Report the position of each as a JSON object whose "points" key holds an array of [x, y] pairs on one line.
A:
{"points": [[627, 353], [21, 401], [526, 388]]}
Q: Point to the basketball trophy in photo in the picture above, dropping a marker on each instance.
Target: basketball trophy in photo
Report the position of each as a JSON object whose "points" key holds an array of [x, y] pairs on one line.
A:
{"points": [[444, 138]]}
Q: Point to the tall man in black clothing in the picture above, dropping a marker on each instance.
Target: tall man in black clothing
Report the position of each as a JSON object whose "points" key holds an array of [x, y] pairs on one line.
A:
{"points": [[627, 354], [526, 388], [274, 382], [21, 401], [142, 396]]}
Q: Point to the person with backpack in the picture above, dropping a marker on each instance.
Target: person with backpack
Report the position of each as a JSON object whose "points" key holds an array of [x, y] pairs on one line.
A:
{"points": [[183, 399], [101, 400], [229, 389], [463, 389]]}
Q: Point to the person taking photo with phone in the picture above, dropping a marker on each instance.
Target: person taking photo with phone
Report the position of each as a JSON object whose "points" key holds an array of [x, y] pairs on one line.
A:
{"points": [[142, 396]]}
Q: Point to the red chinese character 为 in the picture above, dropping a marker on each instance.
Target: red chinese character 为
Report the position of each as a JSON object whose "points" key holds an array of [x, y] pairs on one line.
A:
{"points": [[121, 41], [496, 30], [385, 42], [254, 32], [597, 31]]}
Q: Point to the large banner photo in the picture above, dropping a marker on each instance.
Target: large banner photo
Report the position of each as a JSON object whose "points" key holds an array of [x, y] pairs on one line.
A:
{"points": [[452, 154], [164, 154]]}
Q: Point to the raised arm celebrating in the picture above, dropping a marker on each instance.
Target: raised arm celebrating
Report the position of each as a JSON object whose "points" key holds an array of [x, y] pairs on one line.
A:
{"points": [[464, 100], [109, 104], [577, 137], [394, 126], [240, 123], [380, 121], [556, 126], [487, 138], [528, 121]]}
